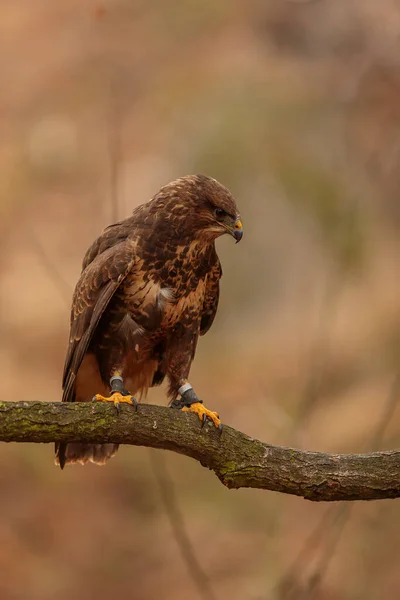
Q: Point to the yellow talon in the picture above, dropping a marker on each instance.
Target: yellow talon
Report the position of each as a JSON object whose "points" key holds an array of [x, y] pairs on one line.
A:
{"points": [[203, 413], [116, 397]]}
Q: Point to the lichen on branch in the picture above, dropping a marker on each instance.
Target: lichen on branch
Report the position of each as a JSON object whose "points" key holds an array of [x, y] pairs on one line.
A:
{"points": [[237, 459]]}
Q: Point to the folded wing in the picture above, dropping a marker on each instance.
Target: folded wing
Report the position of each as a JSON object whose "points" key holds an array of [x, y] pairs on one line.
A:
{"points": [[97, 285]]}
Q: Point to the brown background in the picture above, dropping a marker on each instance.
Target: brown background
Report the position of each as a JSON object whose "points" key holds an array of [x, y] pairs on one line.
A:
{"points": [[293, 105]]}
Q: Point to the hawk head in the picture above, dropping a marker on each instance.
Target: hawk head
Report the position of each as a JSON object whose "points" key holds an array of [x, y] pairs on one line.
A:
{"points": [[201, 207]]}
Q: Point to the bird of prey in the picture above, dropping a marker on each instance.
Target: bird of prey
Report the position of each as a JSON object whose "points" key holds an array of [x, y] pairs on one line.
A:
{"points": [[149, 287]]}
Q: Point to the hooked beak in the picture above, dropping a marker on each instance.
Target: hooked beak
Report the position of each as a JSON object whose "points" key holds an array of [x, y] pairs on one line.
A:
{"points": [[237, 231]]}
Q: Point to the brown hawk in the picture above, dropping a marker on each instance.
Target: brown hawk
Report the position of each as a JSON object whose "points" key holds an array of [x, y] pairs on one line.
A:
{"points": [[149, 287]]}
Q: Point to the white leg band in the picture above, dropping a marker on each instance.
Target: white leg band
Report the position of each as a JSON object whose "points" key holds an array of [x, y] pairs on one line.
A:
{"points": [[184, 388]]}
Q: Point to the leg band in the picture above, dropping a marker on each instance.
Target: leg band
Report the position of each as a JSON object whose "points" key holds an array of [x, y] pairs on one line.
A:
{"points": [[184, 388]]}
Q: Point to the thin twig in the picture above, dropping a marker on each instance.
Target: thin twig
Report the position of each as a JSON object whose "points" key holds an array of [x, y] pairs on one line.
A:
{"points": [[288, 583], [53, 273], [171, 505], [114, 131]]}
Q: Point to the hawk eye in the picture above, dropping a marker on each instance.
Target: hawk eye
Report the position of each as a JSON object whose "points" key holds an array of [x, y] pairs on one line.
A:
{"points": [[219, 213]]}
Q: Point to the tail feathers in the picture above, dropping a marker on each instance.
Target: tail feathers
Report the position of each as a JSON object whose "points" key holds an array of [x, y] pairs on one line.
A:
{"points": [[75, 452]]}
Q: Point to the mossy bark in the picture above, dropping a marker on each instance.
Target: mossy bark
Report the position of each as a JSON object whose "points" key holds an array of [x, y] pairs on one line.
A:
{"points": [[237, 460]]}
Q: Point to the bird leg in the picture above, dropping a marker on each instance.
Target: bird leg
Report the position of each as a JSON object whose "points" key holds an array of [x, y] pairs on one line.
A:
{"points": [[189, 402], [118, 394]]}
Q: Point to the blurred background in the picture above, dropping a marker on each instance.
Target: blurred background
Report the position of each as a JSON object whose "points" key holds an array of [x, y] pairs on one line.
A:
{"points": [[293, 105]]}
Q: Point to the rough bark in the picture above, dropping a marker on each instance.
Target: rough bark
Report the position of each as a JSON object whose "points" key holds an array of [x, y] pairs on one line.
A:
{"points": [[237, 460]]}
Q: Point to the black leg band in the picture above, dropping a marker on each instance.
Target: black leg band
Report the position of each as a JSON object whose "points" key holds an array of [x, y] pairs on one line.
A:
{"points": [[189, 397], [117, 385]]}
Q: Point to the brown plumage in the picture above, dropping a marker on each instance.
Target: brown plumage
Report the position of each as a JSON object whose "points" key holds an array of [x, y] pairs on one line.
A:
{"points": [[149, 287]]}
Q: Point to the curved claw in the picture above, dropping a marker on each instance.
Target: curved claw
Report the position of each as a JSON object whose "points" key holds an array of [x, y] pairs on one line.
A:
{"points": [[117, 398], [203, 413]]}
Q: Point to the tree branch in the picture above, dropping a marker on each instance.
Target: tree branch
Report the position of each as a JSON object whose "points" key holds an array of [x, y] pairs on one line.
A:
{"points": [[237, 460]]}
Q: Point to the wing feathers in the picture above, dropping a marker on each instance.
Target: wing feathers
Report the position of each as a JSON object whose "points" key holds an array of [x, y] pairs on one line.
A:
{"points": [[97, 285], [211, 298]]}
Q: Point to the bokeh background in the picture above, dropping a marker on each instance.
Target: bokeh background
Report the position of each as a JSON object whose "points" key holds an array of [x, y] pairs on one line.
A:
{"points": [[294, 105]]}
